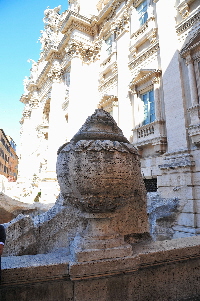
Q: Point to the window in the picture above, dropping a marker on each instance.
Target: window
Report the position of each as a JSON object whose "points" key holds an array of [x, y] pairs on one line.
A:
{"points": [[149, 107], [151, 184], [108, 42], [142, 12]]}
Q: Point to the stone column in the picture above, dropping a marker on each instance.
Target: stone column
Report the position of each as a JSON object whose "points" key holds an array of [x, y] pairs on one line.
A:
{"points": [[57, 132], [24, 145], [125, 109], [192, 81], [83, 91]]}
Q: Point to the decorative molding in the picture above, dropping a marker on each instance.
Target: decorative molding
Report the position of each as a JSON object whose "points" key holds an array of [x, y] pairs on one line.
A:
{"points": [[87, 52], [108, 102], [189, 22], [109, 82], [145, 75], [192, 46], [108, 12], [149, 52], [34, 103], [122, 24], [56, 72], [183, 9], [26, 113], [75, 21], [177, 160], [105, 82], [136, 3], [140, 31], [194, 133]]}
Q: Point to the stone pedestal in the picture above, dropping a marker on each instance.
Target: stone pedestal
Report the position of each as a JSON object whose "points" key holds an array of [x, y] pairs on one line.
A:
{"points": [[99, 240]]}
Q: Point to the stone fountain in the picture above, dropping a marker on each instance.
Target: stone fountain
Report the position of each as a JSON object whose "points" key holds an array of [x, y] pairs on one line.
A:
{"points": [[99, 173], [92, 244]]}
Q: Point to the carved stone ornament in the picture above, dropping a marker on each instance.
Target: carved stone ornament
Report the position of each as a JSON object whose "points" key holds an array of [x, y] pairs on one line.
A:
{"points": [[26, 113], [49, 36], [122, 24], [184, 9], [56, 72], [88, 53], [98, 170]]}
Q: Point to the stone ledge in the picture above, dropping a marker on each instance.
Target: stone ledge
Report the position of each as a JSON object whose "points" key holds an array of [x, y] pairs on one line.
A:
{"points": [[46, 267]]}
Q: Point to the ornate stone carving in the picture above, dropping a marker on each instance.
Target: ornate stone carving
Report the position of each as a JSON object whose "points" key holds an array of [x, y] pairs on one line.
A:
{"points": [[88, 53], [194, 133], [138, 60], [51, 17], [56, 72], [74, 6], [50, 35], [122, 24], [145, 76], [26, 113], [183, 9], [190, 22], [108, 102], [114, 5]]}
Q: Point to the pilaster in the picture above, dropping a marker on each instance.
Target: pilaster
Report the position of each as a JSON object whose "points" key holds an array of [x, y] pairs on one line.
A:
{"points": [[125, 108]]}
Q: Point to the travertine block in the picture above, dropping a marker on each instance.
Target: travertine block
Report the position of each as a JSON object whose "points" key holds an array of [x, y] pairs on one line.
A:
{"points": [[186, 219]]}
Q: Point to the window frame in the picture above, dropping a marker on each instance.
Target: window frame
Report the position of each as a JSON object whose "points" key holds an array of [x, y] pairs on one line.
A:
{"points": [[142, 11], [149, 106]]}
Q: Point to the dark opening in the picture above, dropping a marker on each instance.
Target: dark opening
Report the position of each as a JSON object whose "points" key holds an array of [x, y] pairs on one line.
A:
{"points": [[151, 184]]}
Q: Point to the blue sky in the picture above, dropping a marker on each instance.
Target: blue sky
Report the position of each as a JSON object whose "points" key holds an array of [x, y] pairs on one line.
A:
{"points": [[20, 23]]}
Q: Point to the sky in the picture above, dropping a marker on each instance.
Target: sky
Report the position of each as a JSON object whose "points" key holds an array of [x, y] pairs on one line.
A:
{"points": [[20, 23]]}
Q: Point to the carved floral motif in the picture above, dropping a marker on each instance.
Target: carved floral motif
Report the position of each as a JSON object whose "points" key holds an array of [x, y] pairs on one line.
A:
{"points": [[88, 53]]}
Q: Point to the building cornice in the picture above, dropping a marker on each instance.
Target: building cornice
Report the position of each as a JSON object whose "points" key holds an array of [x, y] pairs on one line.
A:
{"points": [[145, 75], [75, 21], [140, 58], [188, 22]]}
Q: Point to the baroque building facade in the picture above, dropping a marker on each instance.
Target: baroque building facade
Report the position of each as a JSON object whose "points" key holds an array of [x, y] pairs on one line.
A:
{"points": [[138, 60]]}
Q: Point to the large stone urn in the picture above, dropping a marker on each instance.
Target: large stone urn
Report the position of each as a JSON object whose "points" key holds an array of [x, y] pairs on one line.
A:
{"points": [[99, 173]]}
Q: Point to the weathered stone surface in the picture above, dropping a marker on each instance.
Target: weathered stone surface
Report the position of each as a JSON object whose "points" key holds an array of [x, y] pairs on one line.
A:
{"points": [[98, 170], [162, 215], [167, 270], [10, 208], [99, 173]]}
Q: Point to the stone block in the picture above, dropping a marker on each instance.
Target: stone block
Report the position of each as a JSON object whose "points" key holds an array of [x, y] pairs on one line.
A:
{"points": [[188, 207], [196, 178], [176, 179], [182, 193], [186, 219], [198, 220], [197, 205]]}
